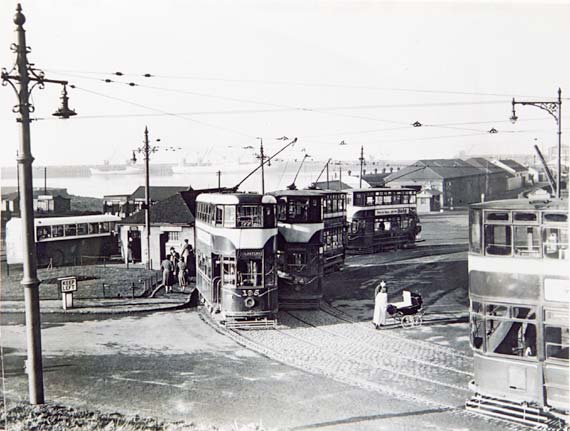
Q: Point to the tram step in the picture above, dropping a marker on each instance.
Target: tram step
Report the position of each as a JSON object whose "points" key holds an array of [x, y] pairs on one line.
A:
{"points": [[251, 324], [514, 412]]}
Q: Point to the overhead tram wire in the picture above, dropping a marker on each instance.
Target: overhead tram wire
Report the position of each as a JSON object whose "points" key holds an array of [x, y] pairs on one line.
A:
{"points": [[300, 83], [321, 110]]}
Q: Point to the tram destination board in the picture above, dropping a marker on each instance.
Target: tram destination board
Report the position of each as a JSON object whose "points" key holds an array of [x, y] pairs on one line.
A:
{"points": [[67, 284]]}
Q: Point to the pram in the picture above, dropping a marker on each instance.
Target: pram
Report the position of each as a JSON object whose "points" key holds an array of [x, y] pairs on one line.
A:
{"points": [[409, 312]]}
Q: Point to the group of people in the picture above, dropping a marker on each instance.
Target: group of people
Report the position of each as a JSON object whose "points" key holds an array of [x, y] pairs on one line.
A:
{"points": [[179, 267]]}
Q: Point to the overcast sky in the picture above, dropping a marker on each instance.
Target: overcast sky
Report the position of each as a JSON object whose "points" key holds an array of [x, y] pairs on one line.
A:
{"points": [[227, 72]]}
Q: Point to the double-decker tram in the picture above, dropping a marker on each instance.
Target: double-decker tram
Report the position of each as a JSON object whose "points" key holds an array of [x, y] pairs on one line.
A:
{"points": [[65, 240], [381, 218], [334, 231], [236, 237], [300, 248], [519, 293]]}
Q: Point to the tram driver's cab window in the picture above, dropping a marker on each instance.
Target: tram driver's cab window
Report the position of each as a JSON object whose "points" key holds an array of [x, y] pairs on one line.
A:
{"points": [[510, 330], [555, 242], [498, 240], [250, 272]]}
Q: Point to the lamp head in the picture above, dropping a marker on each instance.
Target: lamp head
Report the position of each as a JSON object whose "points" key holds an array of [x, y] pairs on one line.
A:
{"points": [[64, 112]]}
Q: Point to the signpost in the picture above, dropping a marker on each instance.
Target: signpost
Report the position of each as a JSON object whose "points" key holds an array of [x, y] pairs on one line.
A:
{"points": [[68, 285]]}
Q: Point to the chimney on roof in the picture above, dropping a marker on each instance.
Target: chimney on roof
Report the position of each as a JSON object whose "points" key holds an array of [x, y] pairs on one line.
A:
{"points": [[375, 170], [398, 168], [391, 169], [384, 170]]}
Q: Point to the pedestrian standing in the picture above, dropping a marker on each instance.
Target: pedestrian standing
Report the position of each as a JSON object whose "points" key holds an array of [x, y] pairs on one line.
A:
{"points": [[182, 274], [186, 247], [174, 258], [380, 305], [167, 270], [191, 263]]}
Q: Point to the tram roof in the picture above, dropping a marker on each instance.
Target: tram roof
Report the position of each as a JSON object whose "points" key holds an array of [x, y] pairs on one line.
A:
{"points": [[524, 204], [379, 189], [297, 193], [235, 198], [97, 218]]}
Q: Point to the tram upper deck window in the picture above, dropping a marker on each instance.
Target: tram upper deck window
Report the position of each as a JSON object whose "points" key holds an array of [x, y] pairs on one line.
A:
{"points": [[297, 209], [397, 198], [413, 198], [43, 232], [219, 215], [498, 240], [82, 229], [57, 231], [475, 231], [249, 216], [527, 241], [555, 242], [370, 199], [359, 199], [555, 218], [70, 230], [525, 217], [556, 342], [497, 216], [93, 228], [229, 216], [104, 227]]}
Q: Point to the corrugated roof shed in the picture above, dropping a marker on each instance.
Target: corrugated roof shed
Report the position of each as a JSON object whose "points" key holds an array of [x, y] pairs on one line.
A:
{"points": [[487, 166], [516, 166], [173, 211], [435, 169]]}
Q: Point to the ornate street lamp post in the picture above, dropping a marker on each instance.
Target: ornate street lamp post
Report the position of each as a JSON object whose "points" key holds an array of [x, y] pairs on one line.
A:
{"points": [[146, 150], [555, 110], [19, 78]]}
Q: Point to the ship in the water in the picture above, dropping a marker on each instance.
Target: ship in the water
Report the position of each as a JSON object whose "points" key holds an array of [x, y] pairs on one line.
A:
{"points": [[108, 169]]}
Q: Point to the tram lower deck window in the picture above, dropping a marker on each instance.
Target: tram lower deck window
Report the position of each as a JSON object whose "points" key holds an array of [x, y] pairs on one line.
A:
{"points": [[508, 337]]}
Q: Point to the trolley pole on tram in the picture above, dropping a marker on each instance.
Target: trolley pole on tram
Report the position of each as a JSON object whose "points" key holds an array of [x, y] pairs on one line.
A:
{"points": [[19, 78], [555, 110], [146, 150]]}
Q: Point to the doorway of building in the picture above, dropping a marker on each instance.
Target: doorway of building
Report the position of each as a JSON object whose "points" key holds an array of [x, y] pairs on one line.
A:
{"points": [[135, 245]]}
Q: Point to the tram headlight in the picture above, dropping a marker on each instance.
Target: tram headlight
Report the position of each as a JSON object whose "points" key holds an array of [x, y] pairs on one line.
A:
{"points": [[249, 302]]}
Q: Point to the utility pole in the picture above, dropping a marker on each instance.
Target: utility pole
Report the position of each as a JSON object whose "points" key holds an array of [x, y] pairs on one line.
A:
{"points": [[219, 173], [146, 151], [361, 163], [19, 78], [45, 180], [262, 159], [555, 110]]}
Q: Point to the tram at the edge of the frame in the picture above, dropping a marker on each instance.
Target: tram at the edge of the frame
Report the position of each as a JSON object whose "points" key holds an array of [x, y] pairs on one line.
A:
{"points": [[519, 293], [381, 218], [300, 248], [236, 236]]}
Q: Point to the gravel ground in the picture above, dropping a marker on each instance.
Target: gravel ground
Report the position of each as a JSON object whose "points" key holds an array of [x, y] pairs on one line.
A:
{"points": [[117, 280], [59, 418]]}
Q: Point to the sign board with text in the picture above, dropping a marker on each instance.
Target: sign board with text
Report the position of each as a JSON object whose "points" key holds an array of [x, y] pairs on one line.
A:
{"points": [[67, 284]]}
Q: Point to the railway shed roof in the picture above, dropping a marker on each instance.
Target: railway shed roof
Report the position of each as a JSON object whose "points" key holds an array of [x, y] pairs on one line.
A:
{"points": [[435, 169]]}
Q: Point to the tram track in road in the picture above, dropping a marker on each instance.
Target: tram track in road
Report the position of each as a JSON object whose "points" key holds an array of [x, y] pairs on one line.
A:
{"points": [[291, 346]]}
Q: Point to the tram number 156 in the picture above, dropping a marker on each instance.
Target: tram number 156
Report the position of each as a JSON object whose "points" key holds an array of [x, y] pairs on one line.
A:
{"points": [[250, 292]]}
